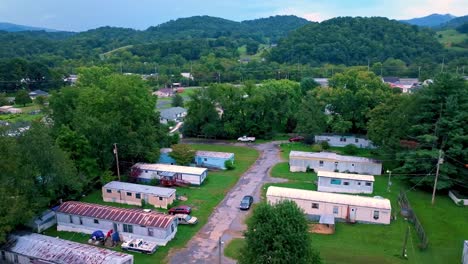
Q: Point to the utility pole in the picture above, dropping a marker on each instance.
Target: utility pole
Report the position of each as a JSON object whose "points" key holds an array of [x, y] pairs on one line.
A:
{"points": [[419, 73], [403, 252], [439, 162], [389, 180], [220, 244], [116, 153]]}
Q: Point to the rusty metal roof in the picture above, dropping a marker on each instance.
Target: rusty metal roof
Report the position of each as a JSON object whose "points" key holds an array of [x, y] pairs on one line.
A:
{"points": [[116, 214], [56, 250]]}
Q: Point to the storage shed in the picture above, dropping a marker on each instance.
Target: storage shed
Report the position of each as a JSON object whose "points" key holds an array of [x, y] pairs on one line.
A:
{"points": [[344, 182], [351, 208], [146, 172], [130, 223], [329, 161], [43, 221], [207, 159], [130, 193], [343, 140], [34, 248]]}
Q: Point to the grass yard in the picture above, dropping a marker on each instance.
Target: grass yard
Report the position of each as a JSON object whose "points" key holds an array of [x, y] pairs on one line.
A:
{"points": [[450, 37], [202, 199]]}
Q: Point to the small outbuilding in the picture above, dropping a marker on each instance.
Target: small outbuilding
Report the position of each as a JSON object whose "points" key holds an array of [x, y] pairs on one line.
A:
{"points": [[207, 159], [351, 208], [146, 172], [343, 140], [135, 194], [130, 223], [329, 161], [344, 182], [43, 221], [28, 248]]}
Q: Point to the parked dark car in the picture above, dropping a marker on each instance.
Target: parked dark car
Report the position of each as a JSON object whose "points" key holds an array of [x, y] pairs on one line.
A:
{"points": [[246, 202], [182, 209], [296, 139]]}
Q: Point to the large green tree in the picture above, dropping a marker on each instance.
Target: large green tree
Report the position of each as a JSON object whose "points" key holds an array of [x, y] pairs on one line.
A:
{"points": [[311, 118], [278, 234], [183, 154], [22, 98]]}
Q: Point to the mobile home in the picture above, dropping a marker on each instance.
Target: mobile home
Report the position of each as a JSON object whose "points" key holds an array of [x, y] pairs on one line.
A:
{"points": [[343, 140], [351, 208], [146, 172], [329, 161], [26, 248], [207, 159], [130, 193], [344, 182], [130, 223]]}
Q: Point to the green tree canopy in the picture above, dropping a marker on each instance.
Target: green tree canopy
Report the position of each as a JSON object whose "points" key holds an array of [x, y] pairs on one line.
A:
{"points": [[177, 100], [183, 154], [22, 98]]}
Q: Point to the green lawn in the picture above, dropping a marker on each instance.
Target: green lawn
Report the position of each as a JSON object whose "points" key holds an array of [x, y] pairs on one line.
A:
{"points": [[231, 250], [450, 37], [202, 199], [281, 170]]}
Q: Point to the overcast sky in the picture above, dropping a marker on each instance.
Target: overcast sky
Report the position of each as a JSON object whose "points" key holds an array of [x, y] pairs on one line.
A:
{"points": [[79, 15]]}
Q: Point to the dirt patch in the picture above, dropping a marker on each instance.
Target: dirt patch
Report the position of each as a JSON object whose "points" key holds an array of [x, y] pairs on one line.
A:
{"points": [[321, 229]]}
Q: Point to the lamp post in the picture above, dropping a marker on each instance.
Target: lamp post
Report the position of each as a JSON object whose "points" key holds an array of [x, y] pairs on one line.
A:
{"points": [[389, 182], [220, 244]]}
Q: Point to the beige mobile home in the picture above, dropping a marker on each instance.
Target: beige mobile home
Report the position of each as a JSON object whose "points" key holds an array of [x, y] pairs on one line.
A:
{"points": [[351, 208], [329, 161], [344, 182], [130, 193]]}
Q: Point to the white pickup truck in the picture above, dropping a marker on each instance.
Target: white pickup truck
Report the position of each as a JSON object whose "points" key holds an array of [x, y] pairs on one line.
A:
{"points": [[246, 139], [138, 245]]}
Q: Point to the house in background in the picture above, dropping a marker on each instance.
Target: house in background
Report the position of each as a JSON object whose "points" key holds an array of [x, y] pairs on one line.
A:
{"points": [[405, 84], [329, 161], [175, 114], [207, 159], [344, 182], [36, 93], [164, 92], [146, 172], [130, 223], [40, 249], [130, 193], [8, 109], [345, 207], [343, 140], [322, 81], [72, 79]]}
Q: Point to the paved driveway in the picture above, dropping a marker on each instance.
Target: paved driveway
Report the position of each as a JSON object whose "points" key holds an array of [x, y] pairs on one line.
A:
{"points": [[227, 221]]}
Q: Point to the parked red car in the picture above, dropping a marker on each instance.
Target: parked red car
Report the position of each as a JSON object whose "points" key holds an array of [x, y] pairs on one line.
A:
{"points": [[182, 209], [296, 139]]}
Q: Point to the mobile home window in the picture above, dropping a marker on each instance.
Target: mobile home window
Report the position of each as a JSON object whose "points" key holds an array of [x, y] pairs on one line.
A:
{"points": [[129, 194], [358, 183], [345, 183], [160, 198], [205, 159], [356, 140], [315, 205], [138, 195], [335, 181], [81, 221], [376, 215], [109, 191], [150, 232], [321, 163], [368, 183], [335, 209], [127, 228], [71, 219], [96, 221]]}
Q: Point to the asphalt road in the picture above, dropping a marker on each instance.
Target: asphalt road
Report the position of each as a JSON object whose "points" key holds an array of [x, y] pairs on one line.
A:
{"points": [[227, 221]]}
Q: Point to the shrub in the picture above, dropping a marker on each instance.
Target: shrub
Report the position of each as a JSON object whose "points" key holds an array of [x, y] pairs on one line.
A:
{"points": [[309, 139], [229, 165], [325, 145], [350, 149], [154, 182], [316, 148]]}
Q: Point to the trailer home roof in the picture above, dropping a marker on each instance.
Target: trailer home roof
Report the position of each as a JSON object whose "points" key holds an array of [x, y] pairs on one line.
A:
{"points": [[330, 156], [350, 176], [140, 188], [122, 215], [334, 198], [170, 168], [61, 251]]}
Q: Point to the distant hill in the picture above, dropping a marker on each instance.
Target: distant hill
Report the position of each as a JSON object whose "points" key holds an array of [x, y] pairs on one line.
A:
{"points": [[454, 23], [433, 20], [354, 41], [276, 27], [9, 27]]}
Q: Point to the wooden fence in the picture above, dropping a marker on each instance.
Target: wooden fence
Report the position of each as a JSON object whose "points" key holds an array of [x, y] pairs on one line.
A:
{"points": [[405, 205]]}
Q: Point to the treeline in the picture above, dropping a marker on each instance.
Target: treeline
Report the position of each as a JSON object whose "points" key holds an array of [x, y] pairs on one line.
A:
{"points": [[70, 151], [409, 128]]}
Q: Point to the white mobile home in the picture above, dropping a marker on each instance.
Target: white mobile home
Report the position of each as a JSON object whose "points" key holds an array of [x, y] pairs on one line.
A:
{"points": [[27, 248], [346, 207], [130, 223], [343, 140], [329, 161], [344, 182], [130, 193], [146, 172]]}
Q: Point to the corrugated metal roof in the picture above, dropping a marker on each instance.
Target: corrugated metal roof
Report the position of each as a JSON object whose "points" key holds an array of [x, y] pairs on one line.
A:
{"points": [[350, 176], [121, 215], [330, 156], [214, 154], [170, 168], [158, 191], [346, 199], [61, 251]]}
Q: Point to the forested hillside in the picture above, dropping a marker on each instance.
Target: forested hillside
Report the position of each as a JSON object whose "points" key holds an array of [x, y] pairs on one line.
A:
{"points": [[353, 41]]}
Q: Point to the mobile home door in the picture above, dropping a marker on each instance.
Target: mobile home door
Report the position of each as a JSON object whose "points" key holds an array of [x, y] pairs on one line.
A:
{"points": [[352, 214]]}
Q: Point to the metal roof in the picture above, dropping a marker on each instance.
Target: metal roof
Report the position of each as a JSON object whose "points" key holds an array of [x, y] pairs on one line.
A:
{"points": [[327, 219], [215, 154], [171, 113], [170, 168], [158, 191], [350, 176], [330, 156], [56, 250], [122, 215], [355, 200]]}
